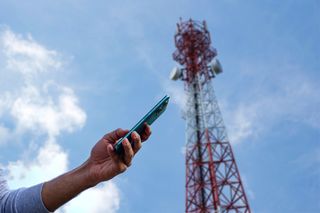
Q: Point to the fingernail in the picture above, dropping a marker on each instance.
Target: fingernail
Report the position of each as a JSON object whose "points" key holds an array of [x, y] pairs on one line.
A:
{"points": [[135, 134]]}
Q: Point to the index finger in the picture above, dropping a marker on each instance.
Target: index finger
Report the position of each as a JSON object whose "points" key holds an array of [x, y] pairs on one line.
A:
{"points": [[146, 133], [115, 135]]}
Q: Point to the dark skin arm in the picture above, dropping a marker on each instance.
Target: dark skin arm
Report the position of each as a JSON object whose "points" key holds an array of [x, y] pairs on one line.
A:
{"points": [[102, 165]]}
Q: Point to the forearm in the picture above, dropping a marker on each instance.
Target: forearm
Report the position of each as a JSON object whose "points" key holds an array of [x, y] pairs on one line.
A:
{"points": [[62, 189]]}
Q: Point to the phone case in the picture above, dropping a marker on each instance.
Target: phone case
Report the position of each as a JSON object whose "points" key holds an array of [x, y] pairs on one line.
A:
{"points": [[149, 118]]}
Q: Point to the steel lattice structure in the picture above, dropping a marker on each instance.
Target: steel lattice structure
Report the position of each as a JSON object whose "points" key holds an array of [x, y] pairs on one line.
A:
{"points": [[213, 181]]}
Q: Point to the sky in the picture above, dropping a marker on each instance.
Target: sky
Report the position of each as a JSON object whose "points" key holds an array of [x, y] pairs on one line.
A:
{"points": [[73, 70]]}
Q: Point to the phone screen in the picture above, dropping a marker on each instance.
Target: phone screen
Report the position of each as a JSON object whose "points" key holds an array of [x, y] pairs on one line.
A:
{"points": [[149, 118]]}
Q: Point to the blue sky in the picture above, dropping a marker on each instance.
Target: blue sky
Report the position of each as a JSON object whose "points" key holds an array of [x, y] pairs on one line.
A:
{"points": [[72, 70]]}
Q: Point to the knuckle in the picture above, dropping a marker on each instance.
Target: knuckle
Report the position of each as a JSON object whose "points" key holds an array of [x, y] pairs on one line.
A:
{"points": [[137, 146], [130, 155], [122, 168], [105, 136], [144, 137], [118, 131]]}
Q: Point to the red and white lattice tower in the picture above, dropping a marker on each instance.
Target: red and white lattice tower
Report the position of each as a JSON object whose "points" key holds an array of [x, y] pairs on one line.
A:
{"points": [[213, 181]]}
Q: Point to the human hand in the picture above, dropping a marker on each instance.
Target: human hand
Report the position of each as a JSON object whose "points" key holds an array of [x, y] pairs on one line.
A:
{"points": [[105, 163]]}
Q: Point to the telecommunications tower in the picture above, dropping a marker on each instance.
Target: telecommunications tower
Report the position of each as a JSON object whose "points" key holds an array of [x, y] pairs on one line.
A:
{"points": [[213, 181]]}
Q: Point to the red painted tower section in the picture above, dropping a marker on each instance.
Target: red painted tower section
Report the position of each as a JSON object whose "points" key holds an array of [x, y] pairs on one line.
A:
{"points": [[213, 181]]}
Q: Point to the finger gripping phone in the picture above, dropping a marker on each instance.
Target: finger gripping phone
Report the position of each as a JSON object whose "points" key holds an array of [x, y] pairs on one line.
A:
{"points": [[149, 118]]}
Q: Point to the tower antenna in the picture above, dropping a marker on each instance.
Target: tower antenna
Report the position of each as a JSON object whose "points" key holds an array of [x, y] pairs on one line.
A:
{"points": [[213, 182]]}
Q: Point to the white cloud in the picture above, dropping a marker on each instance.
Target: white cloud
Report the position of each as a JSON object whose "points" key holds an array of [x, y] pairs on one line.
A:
{"points": [[40, 112], [27, 56], [41, 107], [241, 125], [104, 198], [50, 162]]}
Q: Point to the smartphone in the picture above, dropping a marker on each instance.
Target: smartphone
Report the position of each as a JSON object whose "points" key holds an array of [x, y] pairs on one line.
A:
{"points": [[149, 118]]}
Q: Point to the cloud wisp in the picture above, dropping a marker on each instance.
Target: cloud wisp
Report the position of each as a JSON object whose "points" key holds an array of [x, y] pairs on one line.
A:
{"points": [[294, 100]]}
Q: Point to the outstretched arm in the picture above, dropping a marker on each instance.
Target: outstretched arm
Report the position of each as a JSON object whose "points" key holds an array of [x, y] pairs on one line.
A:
{"points": [[103, 164]]}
